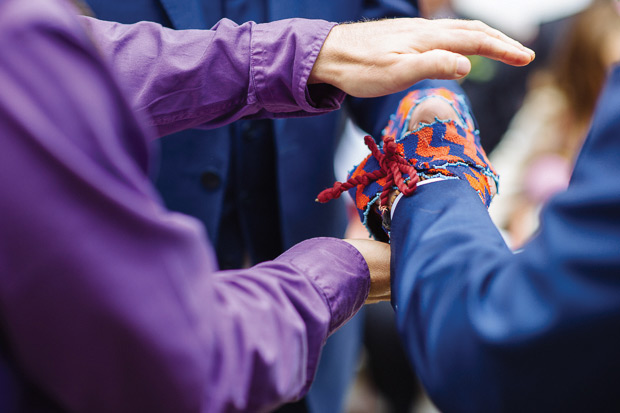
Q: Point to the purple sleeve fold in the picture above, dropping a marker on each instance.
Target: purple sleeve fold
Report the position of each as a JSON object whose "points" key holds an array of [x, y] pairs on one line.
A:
{"points": [[181, 79]]}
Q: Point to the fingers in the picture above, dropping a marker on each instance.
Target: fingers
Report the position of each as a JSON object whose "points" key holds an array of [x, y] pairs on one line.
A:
{"points": [[482, 44], [477, 25], [469, 42], [434, 64], [475, 37], [377, 58]]}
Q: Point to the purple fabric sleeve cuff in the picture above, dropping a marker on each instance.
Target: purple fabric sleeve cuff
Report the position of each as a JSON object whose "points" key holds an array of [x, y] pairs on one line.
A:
{"points": [[269, 53], [180, 79], [337, 270]]}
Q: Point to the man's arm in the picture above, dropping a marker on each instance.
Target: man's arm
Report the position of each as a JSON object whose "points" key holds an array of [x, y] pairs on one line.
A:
{"points": [[108, 301], [230, 71], [489, 331], [186, 78]]}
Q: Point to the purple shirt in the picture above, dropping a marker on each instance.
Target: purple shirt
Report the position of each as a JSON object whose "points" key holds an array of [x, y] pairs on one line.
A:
{"points": [[108, 301]]}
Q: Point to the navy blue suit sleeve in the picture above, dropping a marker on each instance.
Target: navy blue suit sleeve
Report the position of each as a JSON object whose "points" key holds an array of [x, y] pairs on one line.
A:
{"points": [[492, 331]]}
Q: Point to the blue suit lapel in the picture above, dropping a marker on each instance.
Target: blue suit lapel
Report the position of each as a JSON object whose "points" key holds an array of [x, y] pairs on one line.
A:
{"points": [[185, 14]]}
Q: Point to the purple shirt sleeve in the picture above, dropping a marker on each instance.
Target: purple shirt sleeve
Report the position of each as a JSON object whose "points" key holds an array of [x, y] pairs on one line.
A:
{"points": [[189, 78], [108, 301]]}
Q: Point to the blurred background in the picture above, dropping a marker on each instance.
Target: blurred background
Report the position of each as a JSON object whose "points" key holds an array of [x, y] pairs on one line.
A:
{"points": [[532, 122]]}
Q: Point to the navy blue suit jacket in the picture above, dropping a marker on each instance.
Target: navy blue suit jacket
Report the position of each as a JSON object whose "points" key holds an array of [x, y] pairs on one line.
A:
{"points": [[493, 331]]}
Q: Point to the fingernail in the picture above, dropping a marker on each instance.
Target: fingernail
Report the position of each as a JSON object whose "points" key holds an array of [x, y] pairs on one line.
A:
{"points": [[532, 55], [530, 51], [528, 57], [462, 66]]}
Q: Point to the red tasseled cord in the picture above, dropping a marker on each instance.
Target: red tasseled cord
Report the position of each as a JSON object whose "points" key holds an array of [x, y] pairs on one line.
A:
{"points": [[393, 165]]}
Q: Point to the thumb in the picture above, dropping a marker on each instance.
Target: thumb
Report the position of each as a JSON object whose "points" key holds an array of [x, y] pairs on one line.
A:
{"points": [[439, 64]]}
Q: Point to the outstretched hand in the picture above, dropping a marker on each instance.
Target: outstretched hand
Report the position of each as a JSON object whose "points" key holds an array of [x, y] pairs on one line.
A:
{"points": [[377, 58]]}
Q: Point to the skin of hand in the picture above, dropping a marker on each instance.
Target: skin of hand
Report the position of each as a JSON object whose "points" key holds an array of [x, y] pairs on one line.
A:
{"points": [[376, 58], [377, 256], [427, 111]]}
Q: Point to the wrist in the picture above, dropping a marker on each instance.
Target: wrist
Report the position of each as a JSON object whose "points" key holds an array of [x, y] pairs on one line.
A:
{"points": [[326, 68], [377, 257]]}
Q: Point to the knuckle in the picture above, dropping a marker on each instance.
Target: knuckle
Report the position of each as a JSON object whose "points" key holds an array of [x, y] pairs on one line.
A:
{"points": [[481, 40], [476, 39], [478, 25], [444, 66]]}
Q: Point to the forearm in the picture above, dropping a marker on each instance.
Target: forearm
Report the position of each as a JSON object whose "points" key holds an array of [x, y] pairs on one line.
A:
{"points": [[489, 331], [207, 78], [438, 268], [273, 319], [152, 327]]}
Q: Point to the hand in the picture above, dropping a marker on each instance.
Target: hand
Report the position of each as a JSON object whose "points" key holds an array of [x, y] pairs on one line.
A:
{"points": [[377, 256], [381, 57]]}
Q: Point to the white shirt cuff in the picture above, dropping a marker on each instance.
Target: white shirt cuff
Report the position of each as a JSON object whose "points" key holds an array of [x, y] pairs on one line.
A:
{"points": [[426, 181]]}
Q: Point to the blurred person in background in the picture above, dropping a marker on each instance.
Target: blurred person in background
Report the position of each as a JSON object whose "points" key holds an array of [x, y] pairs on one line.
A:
{"points": [[496, 91], [536, 157]]}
